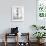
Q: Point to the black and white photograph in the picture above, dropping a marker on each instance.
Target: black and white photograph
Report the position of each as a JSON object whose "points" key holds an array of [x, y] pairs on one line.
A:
{"points": [[18, 13]]}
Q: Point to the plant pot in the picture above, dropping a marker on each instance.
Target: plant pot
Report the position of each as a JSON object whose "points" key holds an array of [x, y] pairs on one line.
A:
{"points": [[40, 41]]}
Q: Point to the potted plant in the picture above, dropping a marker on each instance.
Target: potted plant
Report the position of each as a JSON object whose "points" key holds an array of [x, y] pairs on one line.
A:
{"points": [[42, 27], [38, 27], [35, 26], [39, 35]]}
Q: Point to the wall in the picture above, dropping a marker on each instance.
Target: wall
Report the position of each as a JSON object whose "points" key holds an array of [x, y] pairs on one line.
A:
{"points": [[29, 17]]}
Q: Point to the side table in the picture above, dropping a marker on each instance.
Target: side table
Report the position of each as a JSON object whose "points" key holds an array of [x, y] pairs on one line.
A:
{"points": [[8, 34]]}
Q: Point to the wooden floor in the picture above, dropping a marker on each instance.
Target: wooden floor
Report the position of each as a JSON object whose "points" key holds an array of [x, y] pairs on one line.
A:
{"points": [[13, 44]]}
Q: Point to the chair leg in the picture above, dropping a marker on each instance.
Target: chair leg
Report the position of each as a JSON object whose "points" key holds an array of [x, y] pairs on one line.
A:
{"points": [[17, 41], [5, 43], [5, 40]]}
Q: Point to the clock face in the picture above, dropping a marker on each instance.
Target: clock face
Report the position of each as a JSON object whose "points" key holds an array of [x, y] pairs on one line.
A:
{"points": [[18, 13]]}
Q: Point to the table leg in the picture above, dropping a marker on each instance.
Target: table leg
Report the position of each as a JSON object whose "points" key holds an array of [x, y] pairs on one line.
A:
{"points": [[5, 40]]}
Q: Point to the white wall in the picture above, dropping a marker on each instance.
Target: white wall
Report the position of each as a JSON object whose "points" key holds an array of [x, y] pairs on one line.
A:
{"points": [[5, 14], [29, 17]]}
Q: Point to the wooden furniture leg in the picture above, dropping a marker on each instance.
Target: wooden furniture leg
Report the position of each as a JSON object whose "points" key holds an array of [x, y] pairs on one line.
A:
{"points": [[17, 39], [5, 40]]}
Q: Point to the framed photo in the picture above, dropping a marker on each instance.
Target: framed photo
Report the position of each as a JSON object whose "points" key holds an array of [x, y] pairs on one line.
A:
{"points": [[41, 12], [41, 9], [18, 13]]}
